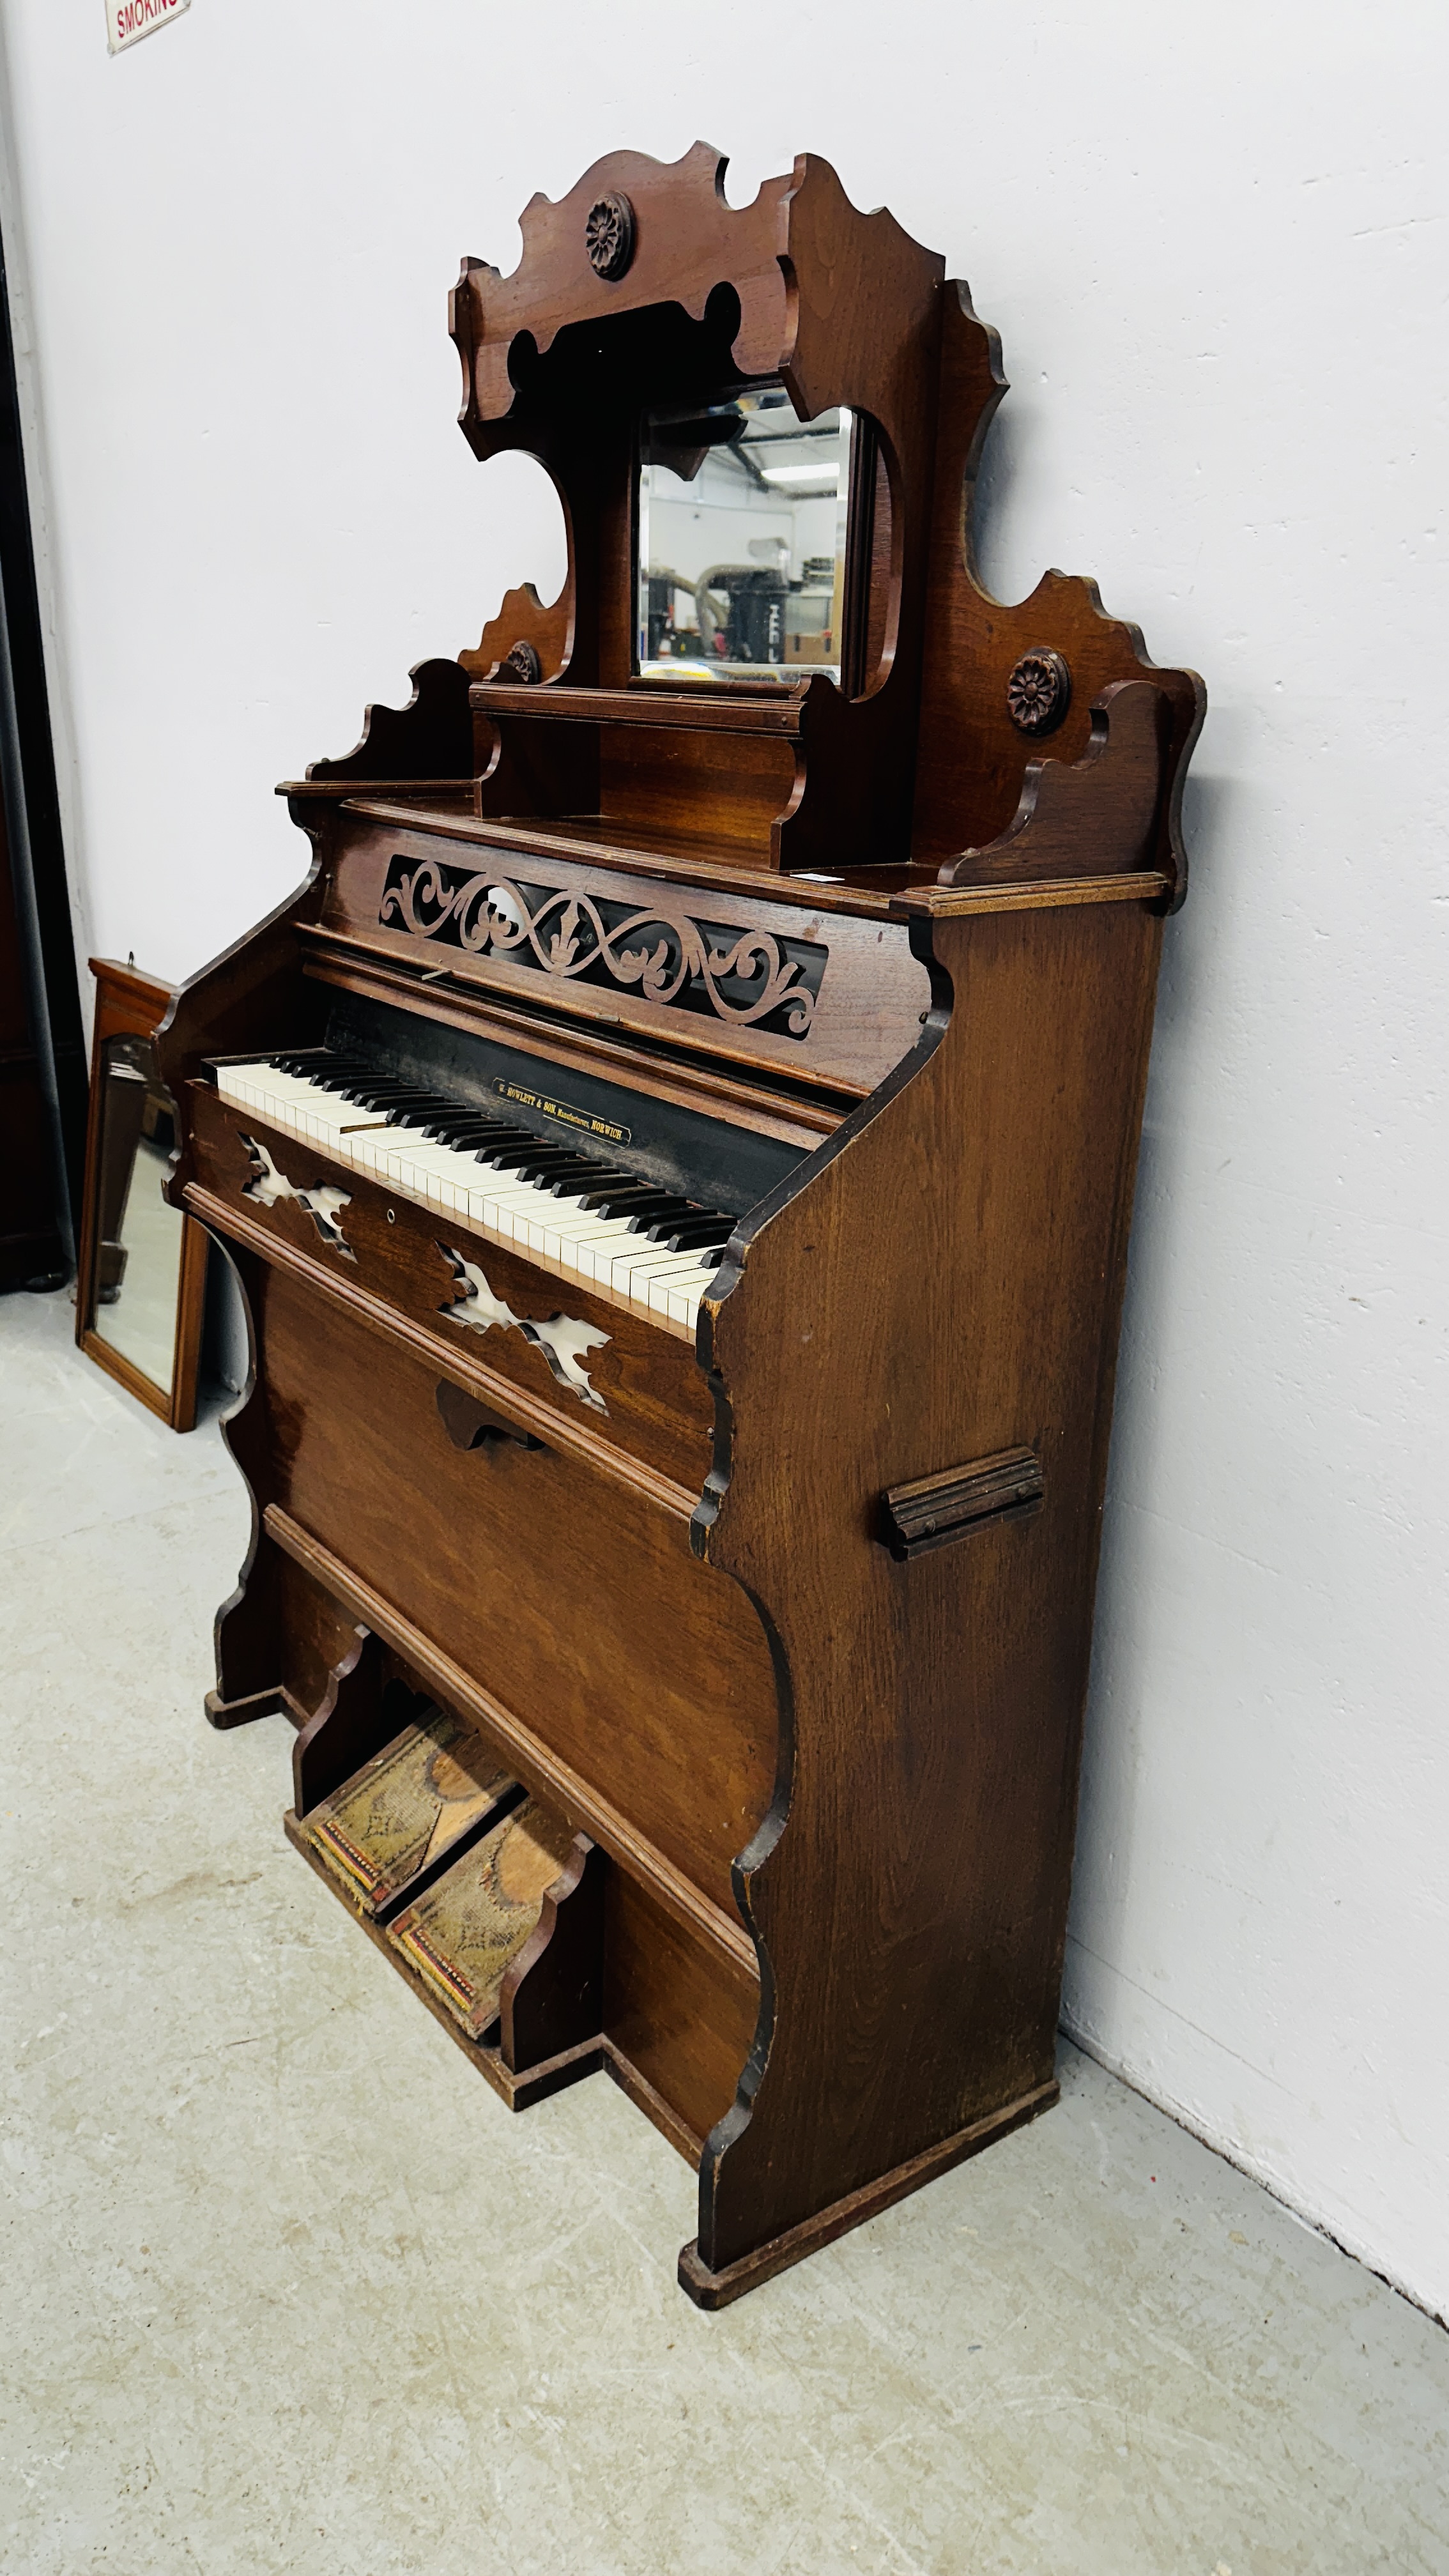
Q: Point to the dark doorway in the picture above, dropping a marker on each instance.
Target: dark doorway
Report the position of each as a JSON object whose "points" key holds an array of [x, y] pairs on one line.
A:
{"points": [[42, 1045]]}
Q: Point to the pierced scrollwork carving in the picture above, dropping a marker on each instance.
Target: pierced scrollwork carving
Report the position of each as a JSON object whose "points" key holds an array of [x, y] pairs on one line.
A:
{"points": [[609, 235], [740, 976], [1039, 692], [563, 1339], [322, 1203]]}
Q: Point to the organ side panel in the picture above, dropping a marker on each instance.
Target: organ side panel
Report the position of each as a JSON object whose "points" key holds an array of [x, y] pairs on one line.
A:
{"points": [[909, 1890]]}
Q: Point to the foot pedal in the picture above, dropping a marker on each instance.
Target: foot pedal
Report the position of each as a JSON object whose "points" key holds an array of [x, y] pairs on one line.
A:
{"points": [[463, 1936], [393, 1827]]}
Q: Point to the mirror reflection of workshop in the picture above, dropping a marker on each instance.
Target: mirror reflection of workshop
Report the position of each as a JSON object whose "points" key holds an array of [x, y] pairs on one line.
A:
{"points": [[742, 539]]}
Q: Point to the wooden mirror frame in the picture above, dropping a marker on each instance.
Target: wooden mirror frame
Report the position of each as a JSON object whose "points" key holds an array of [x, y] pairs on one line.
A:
{"points": [[129, 1004]]}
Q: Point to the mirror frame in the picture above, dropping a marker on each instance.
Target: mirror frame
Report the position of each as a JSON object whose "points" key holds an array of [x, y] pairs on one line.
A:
{"points": [[130, 1004]]}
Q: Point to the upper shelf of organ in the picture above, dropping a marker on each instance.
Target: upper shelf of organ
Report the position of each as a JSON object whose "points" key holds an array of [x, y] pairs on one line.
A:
{"points": [[771, 651]]}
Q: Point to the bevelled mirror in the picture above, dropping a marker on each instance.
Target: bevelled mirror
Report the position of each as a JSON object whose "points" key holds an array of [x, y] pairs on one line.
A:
{"points": [[142, 1284], [754, 559]]}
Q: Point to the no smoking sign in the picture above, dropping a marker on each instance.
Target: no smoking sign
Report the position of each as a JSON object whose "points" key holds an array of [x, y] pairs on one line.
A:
{"points": [[127, 21]]}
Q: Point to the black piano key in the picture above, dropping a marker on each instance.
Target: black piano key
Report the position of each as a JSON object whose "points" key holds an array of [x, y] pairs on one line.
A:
{"points": [[564, 1180], [552, 1166], [511, 1158], [386, 1096], [598, 1180], [693, 1233], [490, 1138], [631, 1199], [642, 1218], [416, 1113], [352, 1082], [464, 1127]]}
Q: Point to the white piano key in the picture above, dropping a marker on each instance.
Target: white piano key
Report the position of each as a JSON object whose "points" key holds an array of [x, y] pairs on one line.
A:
{"points": [[557, 1223], [670, 1293], [632, 1270], [507, 1206], [587, 1255], [597, 1258]]}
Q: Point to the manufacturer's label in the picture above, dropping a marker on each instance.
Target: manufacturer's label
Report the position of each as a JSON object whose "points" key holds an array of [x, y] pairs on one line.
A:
{"points": [[584, 1121]]}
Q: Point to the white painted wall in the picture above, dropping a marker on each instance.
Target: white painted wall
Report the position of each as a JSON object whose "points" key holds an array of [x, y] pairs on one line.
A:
{"points": [[1215, 243]]}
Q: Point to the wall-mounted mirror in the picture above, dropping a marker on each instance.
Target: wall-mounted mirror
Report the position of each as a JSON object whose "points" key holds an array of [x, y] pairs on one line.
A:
{"points": [[743, 524], [141, 1292]]}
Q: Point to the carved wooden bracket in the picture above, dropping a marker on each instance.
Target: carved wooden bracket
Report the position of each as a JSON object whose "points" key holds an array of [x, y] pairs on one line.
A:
{"points": [[346, 1728], [523, 621], [1090, 817], [552, 1996]]}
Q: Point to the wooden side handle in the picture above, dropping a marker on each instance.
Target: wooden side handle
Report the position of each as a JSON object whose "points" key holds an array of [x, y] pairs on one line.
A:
{"points": [[934, 1510]]}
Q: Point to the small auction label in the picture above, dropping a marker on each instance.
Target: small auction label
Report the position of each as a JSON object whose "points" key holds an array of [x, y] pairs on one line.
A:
{"points": [[563, 1110], [127, 21]]}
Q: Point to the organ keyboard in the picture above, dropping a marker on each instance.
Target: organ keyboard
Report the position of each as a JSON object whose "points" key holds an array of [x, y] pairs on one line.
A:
{"points": [[650, 1249], [677, 1152]]}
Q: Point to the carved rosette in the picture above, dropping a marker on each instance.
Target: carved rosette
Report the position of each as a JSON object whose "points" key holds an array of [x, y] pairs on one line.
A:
{"points": [[521, 662], [609, 235], [1039, 692]]}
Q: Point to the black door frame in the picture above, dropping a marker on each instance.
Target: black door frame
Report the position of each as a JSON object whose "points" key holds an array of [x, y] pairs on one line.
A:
{"points": [[32, 809]]}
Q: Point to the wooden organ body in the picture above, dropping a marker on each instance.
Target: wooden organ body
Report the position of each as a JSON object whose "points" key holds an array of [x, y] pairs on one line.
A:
{"points": [[678, 1149]]}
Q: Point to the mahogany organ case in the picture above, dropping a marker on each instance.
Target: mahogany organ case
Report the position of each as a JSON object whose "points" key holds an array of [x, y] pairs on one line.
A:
{"points": [[677, 1148]]}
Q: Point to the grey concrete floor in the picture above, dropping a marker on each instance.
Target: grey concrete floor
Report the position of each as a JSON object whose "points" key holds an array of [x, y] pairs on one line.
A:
{"points": [[285, 2288]]}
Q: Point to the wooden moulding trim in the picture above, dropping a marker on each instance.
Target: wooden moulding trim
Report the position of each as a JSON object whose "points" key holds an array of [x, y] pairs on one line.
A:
{"points": [[690, 712], [532, 836], [1046, 894], [535, 836], [337, 960], [555, 1430], [134, 1002], [718, 2289], [458, 1691], [336, 790]]}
